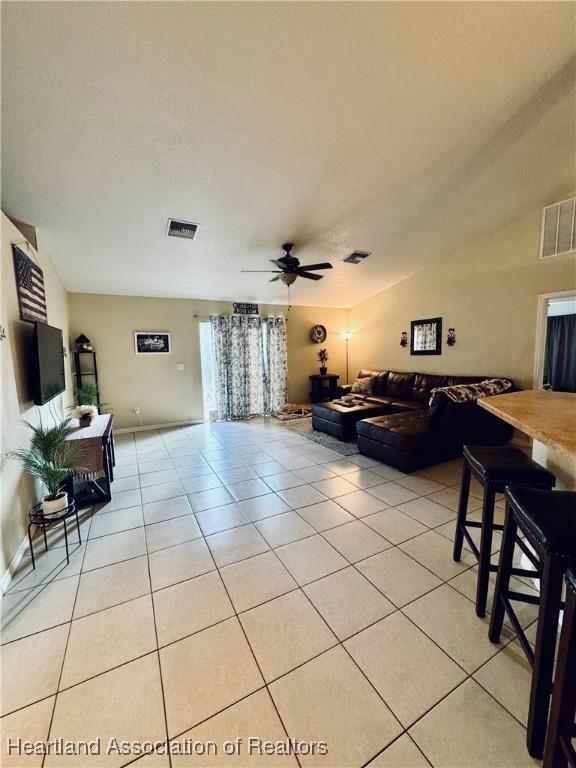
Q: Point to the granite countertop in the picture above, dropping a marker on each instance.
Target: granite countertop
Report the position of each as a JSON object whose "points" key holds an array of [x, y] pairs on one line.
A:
{"points": [[549, 417]]}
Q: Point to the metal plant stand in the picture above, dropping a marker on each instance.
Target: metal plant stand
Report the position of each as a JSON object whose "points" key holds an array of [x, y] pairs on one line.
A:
{"points": [[38, 518]]}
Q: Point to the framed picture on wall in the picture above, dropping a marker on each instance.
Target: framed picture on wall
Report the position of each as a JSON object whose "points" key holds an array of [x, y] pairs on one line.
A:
{"points": [[426, 336], [152, 343]]}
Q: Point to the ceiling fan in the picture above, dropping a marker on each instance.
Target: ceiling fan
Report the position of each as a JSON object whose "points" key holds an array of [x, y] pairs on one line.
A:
{"points": [[289, 268]]}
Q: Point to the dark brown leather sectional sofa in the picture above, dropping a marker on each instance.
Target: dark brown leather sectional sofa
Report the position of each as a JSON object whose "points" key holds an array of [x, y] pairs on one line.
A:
{"points": [[407, 434]]}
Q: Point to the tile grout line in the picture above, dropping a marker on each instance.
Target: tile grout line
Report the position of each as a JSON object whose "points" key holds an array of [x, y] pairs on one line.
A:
{"points": [[392, 546], [353, 565], [247, 641], [411, 739], [296, 588], [249, 521], [444, 651], [157, 650], [57, 691]]}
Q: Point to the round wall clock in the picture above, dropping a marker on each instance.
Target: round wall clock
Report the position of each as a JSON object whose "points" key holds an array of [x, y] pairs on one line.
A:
{"points": [[318, 334]]}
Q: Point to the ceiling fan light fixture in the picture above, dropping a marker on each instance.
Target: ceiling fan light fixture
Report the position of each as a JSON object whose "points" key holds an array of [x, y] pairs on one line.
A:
{"points": [[288, 277]]}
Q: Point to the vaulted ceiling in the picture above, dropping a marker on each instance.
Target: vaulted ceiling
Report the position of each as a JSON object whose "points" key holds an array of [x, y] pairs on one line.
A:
{"points": [[404, 129]]}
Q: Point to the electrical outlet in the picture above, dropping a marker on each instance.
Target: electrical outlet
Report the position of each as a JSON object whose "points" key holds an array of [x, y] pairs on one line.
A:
{"points": [[136, 410], [179, 366]]}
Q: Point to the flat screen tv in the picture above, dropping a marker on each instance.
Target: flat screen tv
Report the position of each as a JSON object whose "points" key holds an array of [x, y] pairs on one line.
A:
{"points": [[48, 363]]}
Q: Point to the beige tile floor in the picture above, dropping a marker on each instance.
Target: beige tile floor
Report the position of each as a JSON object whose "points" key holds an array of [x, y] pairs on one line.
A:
{"points": [[246, 582]]}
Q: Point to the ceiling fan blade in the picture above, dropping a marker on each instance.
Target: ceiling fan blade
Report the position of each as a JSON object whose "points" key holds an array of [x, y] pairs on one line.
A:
{"points": [[262, 270], [280, 263], [273, 279], [309, 275], [324, 265]]}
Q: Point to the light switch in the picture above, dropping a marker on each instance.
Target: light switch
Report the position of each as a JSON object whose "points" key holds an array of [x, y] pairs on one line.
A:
{"points": [[179, 366]]}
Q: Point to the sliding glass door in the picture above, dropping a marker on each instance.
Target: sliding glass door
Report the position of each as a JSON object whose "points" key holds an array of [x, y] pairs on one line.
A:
{"points": [[207, 363]]}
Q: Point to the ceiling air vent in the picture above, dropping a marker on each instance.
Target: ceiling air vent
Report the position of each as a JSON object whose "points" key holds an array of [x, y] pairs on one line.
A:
{"points": [[558, 236], [185, 229], [356, 257]]}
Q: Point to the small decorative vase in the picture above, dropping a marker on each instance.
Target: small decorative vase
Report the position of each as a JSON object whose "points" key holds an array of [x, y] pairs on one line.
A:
{"points": [[85, 420], [323, 371], [55, 505]]}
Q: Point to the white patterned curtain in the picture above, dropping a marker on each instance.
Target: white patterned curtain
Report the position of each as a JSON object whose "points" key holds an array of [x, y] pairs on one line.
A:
{"points": [[276, 382], [250, 372], [238, 366]]}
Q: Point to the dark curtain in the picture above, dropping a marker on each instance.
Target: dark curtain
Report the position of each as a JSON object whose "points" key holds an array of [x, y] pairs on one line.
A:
{"points": [[560, 358]]}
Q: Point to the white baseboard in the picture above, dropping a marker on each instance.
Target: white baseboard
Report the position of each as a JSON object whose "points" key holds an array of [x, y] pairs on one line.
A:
{"points": [[166, 425], [13, 565]]}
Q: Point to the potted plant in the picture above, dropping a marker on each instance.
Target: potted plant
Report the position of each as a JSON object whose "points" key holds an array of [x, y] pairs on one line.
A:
{"points": [[87, 394], [52, 459], [87, 404], [323, 358], [85, 414]]}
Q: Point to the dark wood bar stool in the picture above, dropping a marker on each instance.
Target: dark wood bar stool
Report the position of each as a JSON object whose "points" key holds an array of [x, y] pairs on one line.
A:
{"points": [[560, 751], [495, 468], [548, 521]]}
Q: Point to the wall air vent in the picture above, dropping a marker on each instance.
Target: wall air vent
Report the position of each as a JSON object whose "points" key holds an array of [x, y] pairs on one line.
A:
{"points": [[356, 257], [558, 235], [185, 229]]}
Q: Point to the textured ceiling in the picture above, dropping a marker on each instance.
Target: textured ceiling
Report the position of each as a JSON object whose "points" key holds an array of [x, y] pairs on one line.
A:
{"points": [[403, 129]]}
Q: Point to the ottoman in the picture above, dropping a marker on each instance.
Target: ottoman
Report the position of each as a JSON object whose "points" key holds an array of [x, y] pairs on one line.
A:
{"points": [[340, 420]]}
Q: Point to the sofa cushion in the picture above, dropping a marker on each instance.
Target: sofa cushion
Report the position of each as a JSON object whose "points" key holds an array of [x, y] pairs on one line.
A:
{"points": [[379, 385], [399, 385], [407, 405], [399, 430], [453, 380], [424, 383], [379, 400]]}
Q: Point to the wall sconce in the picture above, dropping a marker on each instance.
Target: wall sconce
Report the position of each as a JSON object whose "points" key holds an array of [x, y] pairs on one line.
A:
{"points": [[404, 339], [451, 337]]}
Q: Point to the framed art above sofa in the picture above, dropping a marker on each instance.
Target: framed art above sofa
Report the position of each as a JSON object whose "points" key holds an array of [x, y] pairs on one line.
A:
{"points": [[426, 336]]}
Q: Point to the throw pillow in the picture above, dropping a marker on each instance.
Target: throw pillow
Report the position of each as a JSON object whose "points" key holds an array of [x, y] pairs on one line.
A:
{"points": [[363, 386]]}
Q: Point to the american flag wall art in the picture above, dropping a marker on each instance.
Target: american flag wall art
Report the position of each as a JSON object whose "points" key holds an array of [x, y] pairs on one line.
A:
{"points": [[30, 287]]}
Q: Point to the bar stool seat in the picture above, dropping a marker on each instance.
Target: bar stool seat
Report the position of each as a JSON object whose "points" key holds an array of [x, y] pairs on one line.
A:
{"points": [[560, 748], [495, 468], [548, 521], [505, 465]]}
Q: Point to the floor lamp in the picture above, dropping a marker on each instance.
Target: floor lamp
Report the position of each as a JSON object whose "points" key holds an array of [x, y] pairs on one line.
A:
{"points": [[347, 336]]}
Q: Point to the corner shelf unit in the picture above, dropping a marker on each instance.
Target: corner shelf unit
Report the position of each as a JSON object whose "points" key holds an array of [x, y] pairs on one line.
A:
{"points": [[86, 370]]}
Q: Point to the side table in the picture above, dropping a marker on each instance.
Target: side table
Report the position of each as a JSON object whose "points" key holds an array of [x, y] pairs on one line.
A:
{"points": [[323, 387], [97, 441], [38, 518]]}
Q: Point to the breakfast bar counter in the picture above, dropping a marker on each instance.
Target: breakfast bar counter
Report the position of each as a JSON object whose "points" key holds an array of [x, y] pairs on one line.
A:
{"points": [[549, 417]]}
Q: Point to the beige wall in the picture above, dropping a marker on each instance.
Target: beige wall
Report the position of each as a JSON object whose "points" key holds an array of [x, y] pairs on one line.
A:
{"points": [[487, 291], [162, 393], [18, 492]]}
